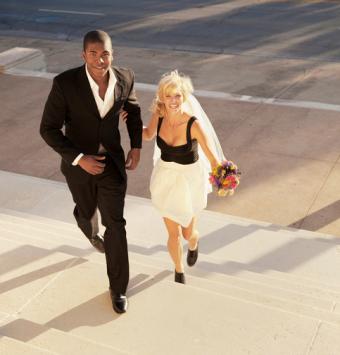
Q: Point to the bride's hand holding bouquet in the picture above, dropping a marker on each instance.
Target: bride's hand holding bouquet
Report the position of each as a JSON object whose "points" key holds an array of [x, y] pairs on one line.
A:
{"points": [[225, 177]]}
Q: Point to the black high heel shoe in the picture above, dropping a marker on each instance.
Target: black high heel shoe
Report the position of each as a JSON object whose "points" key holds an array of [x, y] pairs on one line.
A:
{"points": [[179, 277], [192, 256]]}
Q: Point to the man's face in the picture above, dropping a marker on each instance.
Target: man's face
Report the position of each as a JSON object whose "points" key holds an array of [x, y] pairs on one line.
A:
{"points": [[98, 57]]}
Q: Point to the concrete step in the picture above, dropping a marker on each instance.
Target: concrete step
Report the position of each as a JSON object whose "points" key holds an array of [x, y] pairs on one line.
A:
{"points": [[50, 340], [60, 228], [44, 235], [216, 217], [256, 292], [22, 58], [214, 309], [248, 248], [165, 317], [242, 245], [299, 304], [10, 346], [210, 264], [44, 232], [311, 297], [319, 297]]}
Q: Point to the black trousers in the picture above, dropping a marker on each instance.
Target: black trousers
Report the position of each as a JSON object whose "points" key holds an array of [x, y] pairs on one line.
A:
{"points": [[106, 192]]}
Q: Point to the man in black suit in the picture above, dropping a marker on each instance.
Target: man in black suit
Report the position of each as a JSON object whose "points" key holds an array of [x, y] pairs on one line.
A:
{"points": [[86, 101]]}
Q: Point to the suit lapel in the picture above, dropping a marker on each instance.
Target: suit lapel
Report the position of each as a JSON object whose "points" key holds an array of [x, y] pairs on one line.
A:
{"points": [[86, 92], [118, 92], [120, 84]]}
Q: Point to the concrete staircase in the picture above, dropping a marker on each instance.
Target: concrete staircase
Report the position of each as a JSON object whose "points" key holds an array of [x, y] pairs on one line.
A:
{"points": [[256, 289]]}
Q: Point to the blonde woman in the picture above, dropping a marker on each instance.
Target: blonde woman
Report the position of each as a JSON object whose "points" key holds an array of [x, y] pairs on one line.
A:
{"points": [[179, 181]]}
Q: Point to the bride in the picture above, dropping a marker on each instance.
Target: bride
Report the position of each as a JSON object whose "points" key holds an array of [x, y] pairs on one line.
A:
{"points": [[186, 149]]}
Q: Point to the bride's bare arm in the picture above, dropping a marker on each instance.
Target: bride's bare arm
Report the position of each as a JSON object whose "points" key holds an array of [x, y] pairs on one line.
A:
{"points": [[150, 130], [198, 133]]}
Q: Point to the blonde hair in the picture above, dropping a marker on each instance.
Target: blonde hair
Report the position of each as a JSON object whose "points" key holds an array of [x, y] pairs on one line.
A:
{"points": [[169, 83]]}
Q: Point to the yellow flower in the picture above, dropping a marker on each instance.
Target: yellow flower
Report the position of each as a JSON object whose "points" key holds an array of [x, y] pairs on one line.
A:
{"points": [[222, 193]]}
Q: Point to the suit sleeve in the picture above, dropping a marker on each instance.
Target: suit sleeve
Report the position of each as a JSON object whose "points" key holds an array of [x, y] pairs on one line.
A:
{"points": [[52, 122], [134, 122]]}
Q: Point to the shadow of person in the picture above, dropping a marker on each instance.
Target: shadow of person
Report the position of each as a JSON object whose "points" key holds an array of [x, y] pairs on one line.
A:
{"points": [[98, 310], [40, 273], [319, 218], [22, 330], [92, 313]]}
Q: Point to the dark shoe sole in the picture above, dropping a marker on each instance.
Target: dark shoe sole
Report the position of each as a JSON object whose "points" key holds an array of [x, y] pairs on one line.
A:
{"points": [[118, 309]]}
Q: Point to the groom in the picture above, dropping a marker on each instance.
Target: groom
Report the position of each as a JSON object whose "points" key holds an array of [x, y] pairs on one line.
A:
{"points": [[86, 101]]}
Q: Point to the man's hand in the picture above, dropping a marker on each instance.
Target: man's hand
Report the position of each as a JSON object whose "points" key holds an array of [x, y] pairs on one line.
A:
{"points": [[132, 159], [123, 115], [92, 164]]}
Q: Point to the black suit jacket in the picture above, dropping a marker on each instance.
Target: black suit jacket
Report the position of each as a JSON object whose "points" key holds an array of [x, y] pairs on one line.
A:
{"points": [[71, 105]]}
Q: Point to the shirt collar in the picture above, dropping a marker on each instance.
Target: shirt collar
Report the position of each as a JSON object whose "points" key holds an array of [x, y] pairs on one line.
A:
{"points": [[94, 85]]}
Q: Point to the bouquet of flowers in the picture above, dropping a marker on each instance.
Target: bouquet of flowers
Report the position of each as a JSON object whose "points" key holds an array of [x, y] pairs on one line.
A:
{"points": [[225, 178]]}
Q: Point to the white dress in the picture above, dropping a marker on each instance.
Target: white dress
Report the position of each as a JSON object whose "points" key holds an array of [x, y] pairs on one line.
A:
{"points": [[179, 191]]}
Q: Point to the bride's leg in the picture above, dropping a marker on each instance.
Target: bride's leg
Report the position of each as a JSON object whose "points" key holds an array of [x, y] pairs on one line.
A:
{"points": [[174, 243], [191, 234]]}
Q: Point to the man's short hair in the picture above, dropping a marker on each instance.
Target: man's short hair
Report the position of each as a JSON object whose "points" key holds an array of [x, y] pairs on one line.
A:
{"points": [[96, 36]]}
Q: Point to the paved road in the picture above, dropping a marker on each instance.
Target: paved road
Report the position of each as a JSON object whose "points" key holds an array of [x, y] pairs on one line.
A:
{"points": [[270, 28]]}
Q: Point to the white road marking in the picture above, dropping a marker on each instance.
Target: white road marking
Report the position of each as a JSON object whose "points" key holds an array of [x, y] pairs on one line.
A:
{"points": [[72, 12], [206, 93], [252, 99]]}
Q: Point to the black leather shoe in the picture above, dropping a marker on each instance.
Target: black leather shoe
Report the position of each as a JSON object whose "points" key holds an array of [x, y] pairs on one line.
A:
{"points": [[179, 277], [98, 242], [192, 256], [119, 302]]}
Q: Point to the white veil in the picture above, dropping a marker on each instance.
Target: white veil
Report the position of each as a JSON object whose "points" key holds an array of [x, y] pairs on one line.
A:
{"points": [[194, 108]]}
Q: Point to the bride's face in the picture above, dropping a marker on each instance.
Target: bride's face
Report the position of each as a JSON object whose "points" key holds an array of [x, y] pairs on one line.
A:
{"points": [[173, 101]]}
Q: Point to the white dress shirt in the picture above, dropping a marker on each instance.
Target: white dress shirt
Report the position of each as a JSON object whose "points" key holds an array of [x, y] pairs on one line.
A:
{"points": [[104, 106]]}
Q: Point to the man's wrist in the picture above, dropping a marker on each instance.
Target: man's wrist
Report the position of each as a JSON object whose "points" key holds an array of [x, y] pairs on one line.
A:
{"points": [[76, 160]]}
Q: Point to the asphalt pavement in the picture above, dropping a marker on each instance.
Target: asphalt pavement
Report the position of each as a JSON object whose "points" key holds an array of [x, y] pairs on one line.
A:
{"points": [[289, 29]]}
